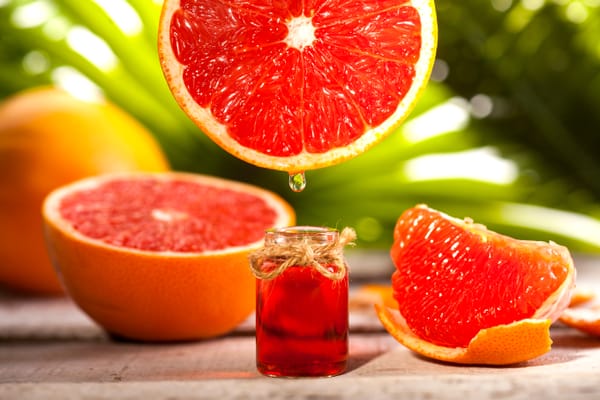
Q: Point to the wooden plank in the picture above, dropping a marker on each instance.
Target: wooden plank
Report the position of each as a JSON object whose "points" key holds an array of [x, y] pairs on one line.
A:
{"points": [[50, 350]]}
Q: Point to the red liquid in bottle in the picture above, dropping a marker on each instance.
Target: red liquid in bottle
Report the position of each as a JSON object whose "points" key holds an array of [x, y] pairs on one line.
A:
{"points": [[302, 323]]}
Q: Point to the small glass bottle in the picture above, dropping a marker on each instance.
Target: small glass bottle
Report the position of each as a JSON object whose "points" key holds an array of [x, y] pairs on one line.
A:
{"points": [[302, 302]]}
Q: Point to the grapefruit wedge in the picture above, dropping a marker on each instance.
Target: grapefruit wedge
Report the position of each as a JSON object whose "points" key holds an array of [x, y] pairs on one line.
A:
{"points": [[160, 256], [469, 295], [297, 85]]}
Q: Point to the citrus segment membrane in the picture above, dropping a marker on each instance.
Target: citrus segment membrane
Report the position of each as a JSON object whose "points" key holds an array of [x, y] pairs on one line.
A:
{"points": [[297, 85], [455, 278]]}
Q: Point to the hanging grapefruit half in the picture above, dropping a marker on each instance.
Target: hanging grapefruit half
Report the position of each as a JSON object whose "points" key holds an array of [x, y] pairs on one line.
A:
{"points": [[160, 256], [469, 295], [297, 85]]}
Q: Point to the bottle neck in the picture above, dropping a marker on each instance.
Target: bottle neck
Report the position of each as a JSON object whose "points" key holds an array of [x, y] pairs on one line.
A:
{"points": [[311, 235]]}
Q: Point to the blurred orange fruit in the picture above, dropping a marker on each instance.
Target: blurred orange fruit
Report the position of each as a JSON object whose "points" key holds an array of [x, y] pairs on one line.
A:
{"points": [[295, 86], [49, 138], [161, 256], [488, 297]]}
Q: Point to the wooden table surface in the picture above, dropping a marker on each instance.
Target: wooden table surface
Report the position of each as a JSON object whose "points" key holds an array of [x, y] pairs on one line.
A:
{"points": [[51, 350]]}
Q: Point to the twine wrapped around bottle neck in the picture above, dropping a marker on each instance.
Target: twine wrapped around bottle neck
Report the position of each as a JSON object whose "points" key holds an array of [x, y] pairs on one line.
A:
{"points": [[305, 253]]}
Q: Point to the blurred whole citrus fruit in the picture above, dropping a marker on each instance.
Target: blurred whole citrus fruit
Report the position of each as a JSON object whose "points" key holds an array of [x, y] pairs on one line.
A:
{"points": [[469, 295], [161, 256], [297, 85], [49, 138]]}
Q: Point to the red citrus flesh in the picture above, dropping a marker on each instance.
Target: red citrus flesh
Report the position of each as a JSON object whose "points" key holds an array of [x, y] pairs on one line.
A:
{"points": [[168, 215], [455, 278]]}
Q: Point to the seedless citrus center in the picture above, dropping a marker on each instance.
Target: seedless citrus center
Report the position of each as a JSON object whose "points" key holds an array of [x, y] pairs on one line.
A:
{"points": [[301, 32], [167, 215]]}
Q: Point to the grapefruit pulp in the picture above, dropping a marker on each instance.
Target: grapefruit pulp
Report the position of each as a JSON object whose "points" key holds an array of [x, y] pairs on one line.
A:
{"points": [[458, 284], [160, 256], [297, 85]]}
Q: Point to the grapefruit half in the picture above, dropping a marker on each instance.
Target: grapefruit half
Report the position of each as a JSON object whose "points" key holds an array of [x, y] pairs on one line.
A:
{"points": [[297, 85], [160, 256]]}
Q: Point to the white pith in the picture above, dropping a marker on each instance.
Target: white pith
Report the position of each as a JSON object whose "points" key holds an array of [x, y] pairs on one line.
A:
{"points": [[301, 32]]}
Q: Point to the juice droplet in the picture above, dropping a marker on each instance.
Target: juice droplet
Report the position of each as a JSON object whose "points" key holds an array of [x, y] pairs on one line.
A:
{"points": [[297, 181]]}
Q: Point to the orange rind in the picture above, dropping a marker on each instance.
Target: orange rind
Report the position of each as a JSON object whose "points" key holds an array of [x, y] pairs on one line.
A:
{"points": [[500, 345]]}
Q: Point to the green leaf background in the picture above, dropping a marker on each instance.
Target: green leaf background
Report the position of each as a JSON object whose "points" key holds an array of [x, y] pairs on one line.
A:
{"points": [[516, 87]]}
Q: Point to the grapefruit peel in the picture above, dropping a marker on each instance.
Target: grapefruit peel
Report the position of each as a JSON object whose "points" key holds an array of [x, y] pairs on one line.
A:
{"points": [[499, 345]]}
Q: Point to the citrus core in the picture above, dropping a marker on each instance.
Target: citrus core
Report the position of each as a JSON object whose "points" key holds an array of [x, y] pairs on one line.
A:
{"points": [[296, 85]]}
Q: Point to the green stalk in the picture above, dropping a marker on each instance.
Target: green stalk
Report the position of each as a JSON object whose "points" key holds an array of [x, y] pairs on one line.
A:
{"points": [[137, 56], [115, 82], [386, 186], [386, 158]]}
